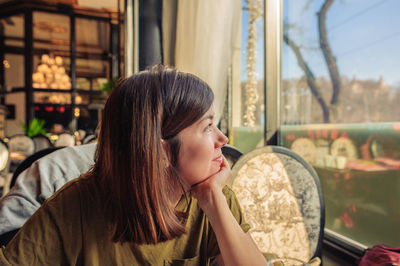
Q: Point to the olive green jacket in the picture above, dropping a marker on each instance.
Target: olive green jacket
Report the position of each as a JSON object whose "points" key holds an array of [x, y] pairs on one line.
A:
{"points": [[70, 229]]}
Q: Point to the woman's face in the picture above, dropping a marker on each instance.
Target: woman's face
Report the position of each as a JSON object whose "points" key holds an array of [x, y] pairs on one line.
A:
{"points": [[200, 153]]}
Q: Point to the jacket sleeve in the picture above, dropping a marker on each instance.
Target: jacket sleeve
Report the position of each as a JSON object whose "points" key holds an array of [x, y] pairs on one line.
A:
{"points": [[52, 235], [22, 201], [40, 181], [233, 203]]}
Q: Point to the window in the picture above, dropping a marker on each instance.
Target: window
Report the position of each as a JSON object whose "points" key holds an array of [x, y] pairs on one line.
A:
{"points": [[339, 109], [92, 46], [247, 115]]}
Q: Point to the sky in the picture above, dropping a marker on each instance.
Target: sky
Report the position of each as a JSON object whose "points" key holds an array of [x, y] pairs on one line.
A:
{"points": [[364, 37]]}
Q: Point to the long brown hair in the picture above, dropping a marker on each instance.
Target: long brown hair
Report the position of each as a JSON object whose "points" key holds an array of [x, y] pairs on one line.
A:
{"points": [[130, 164]]}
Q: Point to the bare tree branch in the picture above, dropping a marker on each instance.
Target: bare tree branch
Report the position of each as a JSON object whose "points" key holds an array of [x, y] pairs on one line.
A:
{"points": [[315, 90], [327, 52], [328, 110], [307, 5]]}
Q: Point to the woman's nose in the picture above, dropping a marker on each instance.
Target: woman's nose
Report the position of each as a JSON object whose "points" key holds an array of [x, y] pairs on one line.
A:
{"points": [[222, 139]]}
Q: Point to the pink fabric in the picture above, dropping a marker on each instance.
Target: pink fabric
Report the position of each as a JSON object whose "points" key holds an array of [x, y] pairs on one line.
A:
{"points": [[381, 255]]}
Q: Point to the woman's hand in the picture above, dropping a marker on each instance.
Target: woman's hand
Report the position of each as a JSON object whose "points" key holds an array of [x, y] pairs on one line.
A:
{"points": [[206, 190], [236, 246]]}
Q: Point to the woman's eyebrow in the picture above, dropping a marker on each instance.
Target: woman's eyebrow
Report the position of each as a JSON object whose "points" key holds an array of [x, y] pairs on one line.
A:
{"points": [[211, 117]]}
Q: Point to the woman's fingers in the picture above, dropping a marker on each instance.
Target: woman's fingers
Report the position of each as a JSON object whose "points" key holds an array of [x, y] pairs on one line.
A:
{"points": [[216, 181], [225, 173]]}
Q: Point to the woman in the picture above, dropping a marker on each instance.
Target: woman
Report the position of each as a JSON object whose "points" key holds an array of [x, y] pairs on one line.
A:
{"points": [[155, 195]]}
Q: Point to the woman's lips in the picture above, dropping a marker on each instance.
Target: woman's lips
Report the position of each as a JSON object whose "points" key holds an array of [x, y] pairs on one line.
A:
{"points": [[219, 159]]}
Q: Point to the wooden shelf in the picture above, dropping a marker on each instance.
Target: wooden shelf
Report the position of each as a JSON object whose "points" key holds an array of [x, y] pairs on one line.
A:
{"points": [[91, 92], [102, 56], [79, 91]]}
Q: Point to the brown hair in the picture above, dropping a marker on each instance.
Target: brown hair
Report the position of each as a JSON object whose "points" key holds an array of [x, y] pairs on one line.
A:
{"points": [[142, 110]]}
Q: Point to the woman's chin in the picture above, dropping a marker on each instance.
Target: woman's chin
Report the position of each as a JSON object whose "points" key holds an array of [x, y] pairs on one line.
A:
{"points": [[200, 180], [211, 172]]}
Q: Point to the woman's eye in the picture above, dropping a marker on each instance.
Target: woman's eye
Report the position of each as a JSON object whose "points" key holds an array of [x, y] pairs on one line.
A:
{"points": [[209, 127]]}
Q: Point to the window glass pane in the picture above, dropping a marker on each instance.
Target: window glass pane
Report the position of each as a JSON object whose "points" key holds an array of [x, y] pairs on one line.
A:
{"points": [[247, 115], [92, 36], [51, 32], [339, 96], [51, 35], [13, 31], [92, 47], [14, 72]]}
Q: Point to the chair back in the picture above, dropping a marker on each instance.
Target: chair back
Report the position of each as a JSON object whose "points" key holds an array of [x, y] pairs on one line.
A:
{"points": [[41, 142], [4, 167], [282, 200], [231, 154], [82, 133], [6, 237], [21, 144], [65, 140], [4, 156], [25, 164], [89, 139]]}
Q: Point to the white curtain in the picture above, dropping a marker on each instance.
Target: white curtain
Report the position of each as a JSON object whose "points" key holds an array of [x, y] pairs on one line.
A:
{"points": [[198, 37]]}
